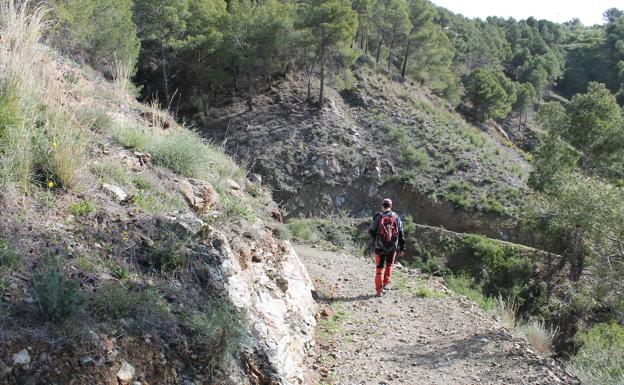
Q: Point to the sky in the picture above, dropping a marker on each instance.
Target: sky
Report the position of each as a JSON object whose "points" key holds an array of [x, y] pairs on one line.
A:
{"points": [[588, 11]]}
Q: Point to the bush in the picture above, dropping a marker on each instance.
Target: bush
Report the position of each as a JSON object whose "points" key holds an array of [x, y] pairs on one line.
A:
{"points": [[56, 294], [303, 229], [600, 360], [506, 272]]}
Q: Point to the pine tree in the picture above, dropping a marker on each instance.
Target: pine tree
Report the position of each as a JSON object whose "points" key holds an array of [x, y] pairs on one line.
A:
{"points": [[332, 25], [161, 27]]}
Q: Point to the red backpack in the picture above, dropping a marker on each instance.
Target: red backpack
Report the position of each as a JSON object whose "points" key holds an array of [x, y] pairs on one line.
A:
{"points": [[387, 231]]}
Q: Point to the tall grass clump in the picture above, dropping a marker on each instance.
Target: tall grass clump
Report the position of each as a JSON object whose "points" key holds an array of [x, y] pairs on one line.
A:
{"points": [[183, 152], [38, 141], [537, 334], [180, 150]]}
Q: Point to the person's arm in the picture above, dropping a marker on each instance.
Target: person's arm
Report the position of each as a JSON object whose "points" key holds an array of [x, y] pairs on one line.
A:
{"points": [[372, 228], [401, 235]]}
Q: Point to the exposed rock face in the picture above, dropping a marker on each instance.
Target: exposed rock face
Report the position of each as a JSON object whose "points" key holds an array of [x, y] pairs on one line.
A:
{"points": [[277, 296], [200, 195]]}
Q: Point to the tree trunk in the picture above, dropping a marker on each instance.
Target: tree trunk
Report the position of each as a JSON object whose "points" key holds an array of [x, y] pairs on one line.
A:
{"points": [[249, 94], [378, 51], [390, 53], [322, 91], [164, 72], [407, 52], [575, 250]]}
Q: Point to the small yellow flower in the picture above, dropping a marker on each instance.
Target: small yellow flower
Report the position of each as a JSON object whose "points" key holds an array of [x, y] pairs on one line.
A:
{"points": [[50, 184], [54, 144]]}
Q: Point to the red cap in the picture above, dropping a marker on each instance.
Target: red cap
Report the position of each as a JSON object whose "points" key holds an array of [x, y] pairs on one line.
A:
{"points": [[387, 202]]}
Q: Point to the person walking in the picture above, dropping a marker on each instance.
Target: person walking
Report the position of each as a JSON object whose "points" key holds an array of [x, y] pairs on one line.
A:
{"points": [[389, 238]]}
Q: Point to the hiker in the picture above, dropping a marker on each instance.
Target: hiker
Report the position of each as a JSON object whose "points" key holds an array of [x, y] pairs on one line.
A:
{"points": [[388, 237]]}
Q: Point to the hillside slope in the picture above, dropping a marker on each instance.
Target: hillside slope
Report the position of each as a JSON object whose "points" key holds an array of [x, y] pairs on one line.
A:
{"points": [[131, 251], [379, 138], [417, 333]]}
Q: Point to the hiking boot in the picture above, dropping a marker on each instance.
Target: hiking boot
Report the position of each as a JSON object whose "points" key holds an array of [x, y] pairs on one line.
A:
{"points": [[386, 287], [379, 294]]}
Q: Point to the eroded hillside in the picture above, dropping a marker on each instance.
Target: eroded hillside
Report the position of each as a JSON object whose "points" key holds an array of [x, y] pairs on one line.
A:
{"points": [[381, 137], [131, 250]]}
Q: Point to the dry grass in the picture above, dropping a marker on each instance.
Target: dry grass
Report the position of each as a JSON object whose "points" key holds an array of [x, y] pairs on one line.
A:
{"points": [[537, 334], [40, 141]]}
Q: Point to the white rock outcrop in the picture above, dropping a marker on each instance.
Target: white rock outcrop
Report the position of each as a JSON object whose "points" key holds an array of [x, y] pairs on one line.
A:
{"points": [[283, 320]]}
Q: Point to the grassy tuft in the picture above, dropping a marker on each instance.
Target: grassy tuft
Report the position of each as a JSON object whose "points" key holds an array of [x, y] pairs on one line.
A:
{"points": [[56, 294], [537, 334]]}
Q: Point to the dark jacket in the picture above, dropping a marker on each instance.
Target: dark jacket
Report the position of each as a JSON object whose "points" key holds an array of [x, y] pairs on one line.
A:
{"points": [[372, 230]]}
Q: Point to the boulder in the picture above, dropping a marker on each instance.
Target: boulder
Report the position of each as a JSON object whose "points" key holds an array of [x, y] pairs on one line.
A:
{"points": [[232, 184], [126, 372], [21, 358], [200, 195], [116, 192]]}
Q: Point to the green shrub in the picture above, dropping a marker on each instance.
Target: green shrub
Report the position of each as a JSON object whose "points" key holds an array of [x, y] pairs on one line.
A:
{"points": [[303, 229], [56, 294], [464, 285], [506, 271], [415, 157], [345, 80], [82, 207], [95, 31], [600, 359]]}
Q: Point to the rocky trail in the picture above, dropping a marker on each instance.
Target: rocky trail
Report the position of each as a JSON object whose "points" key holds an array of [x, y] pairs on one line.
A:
{"points": [[417, 333]]}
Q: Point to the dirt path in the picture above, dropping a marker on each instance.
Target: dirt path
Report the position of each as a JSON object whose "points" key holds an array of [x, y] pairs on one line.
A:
{"points": [[418, 333]]}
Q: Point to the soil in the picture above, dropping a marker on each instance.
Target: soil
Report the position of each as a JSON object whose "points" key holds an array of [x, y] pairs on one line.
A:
{"points": [[417, 333]]}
